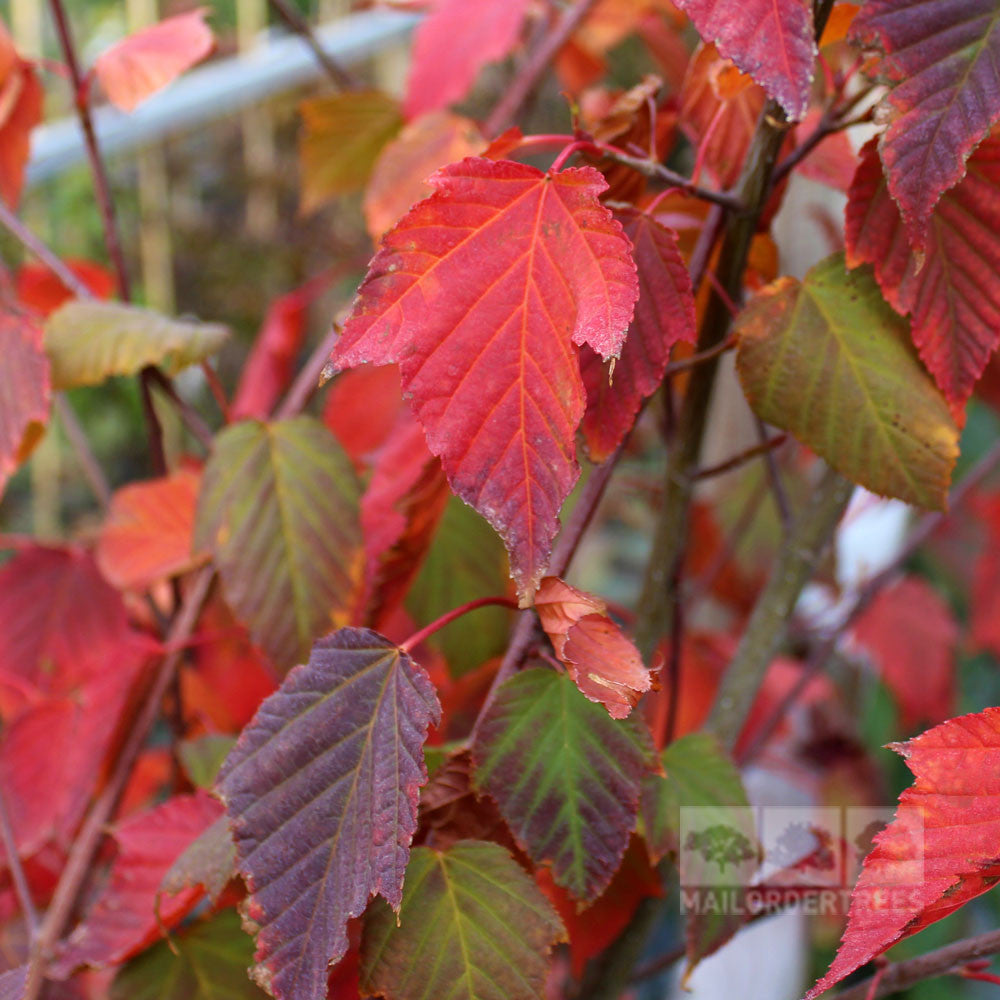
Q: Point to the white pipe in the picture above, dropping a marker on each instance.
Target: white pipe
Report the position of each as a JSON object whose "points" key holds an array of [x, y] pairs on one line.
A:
{"points": [[217, 90]]}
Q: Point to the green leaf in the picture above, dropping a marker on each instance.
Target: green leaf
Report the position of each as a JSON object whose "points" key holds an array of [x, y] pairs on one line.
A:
{"points": [[698, 774], [828, 360], [565, 775], [491, 930], [202, 757], [702, 794], [342, 136], [89, 341], [208, 861], [466, 560], [207, 963], [279, 511]]}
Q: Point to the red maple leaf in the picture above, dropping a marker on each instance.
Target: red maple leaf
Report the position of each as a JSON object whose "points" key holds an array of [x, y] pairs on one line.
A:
{"points": [[25, 391], [949, 292], [602, 662], [125, 919], [479, 294]]}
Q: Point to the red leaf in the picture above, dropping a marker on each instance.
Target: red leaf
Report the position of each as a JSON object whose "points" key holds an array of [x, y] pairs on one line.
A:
{"points": [[719, 108], [362, 408], [451, 48], [321, 792], [268, 369], [664, 315], [41, 291], [400, 511], [137, 67], [123, 920], [593, 929], [60, 621], [20, 111], [479, 294], [941, 849], [772, 40], [59, 745], [147, 534], [25, 391], [950, 294], [230, 677], [911, 633], [944, 61]]}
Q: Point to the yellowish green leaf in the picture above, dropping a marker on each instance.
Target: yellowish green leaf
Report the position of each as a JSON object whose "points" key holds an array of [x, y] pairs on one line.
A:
{"points": [[342, 136], [490, 930], [829, 360], [89, 341]]}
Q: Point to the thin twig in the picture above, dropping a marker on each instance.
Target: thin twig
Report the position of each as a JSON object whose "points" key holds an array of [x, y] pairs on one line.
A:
{"points": [[17, 869], [81, 446], [899, 975], [35, 246], [189, 415], [102, 189], [106, 208], [341, 78], [534, 69], [89, 837], [448, 617], [657, 171], [764, 448], [693, 360], [774, 476], [308, 379]]}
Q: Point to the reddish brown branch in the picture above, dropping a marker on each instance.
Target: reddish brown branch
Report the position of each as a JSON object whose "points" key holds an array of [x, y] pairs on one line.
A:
{"points": [[899, 975], [748, 454]]}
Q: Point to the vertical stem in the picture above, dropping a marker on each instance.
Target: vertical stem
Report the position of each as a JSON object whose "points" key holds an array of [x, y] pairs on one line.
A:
{"points": [[112, 236], [663, 571], [102, 189], [795, 564]]}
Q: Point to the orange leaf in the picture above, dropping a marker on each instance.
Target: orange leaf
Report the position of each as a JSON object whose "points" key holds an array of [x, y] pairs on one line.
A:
{"points": [[147, 534], [20, 111], [397, 179], [25, 391], [720, 107], [138, 66], [479, 294], [603, 664]]}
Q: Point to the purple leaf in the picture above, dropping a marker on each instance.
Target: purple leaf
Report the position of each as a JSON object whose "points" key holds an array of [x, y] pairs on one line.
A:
{"points": [[321, 791]]}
